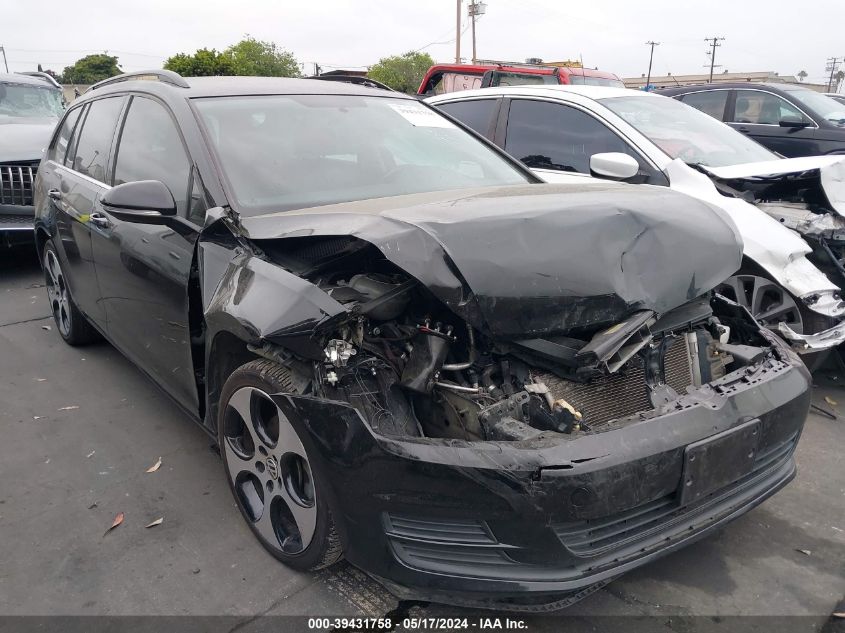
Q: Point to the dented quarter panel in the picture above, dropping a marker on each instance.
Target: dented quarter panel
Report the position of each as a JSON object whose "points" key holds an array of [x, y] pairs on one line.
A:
{"points": [[556, 262]]}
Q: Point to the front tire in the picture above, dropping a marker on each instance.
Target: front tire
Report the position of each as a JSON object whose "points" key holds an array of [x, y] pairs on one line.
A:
{"points": [[73, 327], [280, 493], [770, 303]]}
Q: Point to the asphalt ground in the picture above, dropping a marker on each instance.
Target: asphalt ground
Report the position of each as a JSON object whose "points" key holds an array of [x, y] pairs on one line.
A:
{"points": [[80, 426]]}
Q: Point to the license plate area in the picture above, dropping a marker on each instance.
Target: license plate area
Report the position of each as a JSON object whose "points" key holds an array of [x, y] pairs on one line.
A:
{"points": [[720, 460]]}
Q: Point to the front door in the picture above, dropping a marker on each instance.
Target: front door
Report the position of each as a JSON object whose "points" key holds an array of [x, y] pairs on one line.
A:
{"points": [[144, 269], [758, 114]]}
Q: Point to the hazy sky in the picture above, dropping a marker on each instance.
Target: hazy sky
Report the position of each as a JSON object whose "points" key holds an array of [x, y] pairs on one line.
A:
{"points": [[775, 35]]}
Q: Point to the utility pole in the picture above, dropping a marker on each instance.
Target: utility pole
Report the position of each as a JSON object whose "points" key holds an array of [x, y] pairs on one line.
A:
{"points": [[317, 69], [458, 32], [5, 63], [832, 65], [714, 42], [475, 8], [650, 58]]}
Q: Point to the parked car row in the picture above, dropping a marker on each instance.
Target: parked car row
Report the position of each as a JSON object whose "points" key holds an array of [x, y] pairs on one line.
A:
{"points": [[412, 351]]}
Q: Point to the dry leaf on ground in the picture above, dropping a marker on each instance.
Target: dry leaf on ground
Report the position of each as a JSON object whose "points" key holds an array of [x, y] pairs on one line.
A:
{"points": [[155, 466], [158, 521], [118, 519]]}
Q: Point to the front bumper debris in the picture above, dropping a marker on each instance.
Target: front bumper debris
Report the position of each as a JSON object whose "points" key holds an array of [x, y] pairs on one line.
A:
{"points": [[539, 521], [805, 343]]}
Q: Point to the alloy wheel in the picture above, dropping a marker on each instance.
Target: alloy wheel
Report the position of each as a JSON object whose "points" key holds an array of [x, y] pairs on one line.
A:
{"points": [[269, 471], [768, 302], [57, 292]]}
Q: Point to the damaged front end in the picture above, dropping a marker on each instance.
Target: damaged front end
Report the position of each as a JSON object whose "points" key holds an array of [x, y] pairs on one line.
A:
{"points": [[806, 195], [501, 424], [468, 468]]}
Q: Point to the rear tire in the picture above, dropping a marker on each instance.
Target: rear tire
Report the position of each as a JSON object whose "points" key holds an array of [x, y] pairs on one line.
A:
{"points": [[72, 325], [280, 492]]}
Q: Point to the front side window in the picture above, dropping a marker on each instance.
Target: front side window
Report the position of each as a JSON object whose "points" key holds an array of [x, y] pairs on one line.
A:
{"points": [[151, 149], [475, 113], [685, 133], [283, 152], [59, 149], [710, 102], [91, 157], [546, 135], [764, 108], [27, 101]]}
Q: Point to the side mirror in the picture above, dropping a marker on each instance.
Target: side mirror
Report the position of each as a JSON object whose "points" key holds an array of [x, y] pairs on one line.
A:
{"points": [[614, 165], [794, 122], [144, 201]]}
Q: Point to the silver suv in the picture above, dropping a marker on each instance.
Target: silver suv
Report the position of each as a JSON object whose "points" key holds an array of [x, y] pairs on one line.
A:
{"points": [[30, 106]]}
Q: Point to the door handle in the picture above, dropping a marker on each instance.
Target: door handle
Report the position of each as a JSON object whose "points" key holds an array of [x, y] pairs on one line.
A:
{"points": [[54, 194], [744, 130], [98, 219]]}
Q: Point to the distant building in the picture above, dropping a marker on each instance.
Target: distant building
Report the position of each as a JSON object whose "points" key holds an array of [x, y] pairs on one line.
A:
{"points": [[665, 81]]}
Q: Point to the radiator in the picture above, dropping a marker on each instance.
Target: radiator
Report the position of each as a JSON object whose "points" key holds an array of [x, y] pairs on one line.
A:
{"points": [[625, 392]]}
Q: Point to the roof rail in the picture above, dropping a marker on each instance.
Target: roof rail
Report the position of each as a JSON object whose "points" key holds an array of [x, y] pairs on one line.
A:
{"points": [[353, 79], [41, 75], [164, 76]]}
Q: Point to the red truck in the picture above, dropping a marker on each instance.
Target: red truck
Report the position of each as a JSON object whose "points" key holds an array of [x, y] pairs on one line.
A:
{"points": [[443, 78]]}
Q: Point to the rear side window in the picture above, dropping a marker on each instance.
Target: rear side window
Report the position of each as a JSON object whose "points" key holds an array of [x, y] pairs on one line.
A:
{"points": [[151, 149], [475, 114], [547, 135], [92, 149], [60, 145], [710, 102]]}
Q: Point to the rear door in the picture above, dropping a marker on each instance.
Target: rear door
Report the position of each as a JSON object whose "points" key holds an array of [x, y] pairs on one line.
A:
{"points": [[144, 269], [712, 102], [75, 185], [758, 114], [478, 114]]}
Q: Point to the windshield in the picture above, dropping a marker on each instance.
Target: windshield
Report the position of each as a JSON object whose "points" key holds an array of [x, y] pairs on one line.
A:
{"points": [[24, 100], [298, 151], [822, 105], [683, 132], [586, 80]]}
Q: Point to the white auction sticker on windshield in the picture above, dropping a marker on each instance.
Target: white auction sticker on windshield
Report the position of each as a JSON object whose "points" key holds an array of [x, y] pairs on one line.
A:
{"points": [[420, 116]]}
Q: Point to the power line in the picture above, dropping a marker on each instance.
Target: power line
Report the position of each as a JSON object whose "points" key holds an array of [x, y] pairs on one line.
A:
{"points": [[832, 66], [714, 43], [650, 59]]}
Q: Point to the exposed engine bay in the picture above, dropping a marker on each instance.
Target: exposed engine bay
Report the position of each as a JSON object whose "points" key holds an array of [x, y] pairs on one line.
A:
{"points": [[413, 368]]}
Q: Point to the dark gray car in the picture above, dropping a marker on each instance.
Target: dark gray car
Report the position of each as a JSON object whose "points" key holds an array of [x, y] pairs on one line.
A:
{"points": [[790, 120], [30, 107]]}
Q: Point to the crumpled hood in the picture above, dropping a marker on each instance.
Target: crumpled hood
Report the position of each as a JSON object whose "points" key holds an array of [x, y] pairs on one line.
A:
{"points": [[524, 260], [830, 172], [23, 140]]}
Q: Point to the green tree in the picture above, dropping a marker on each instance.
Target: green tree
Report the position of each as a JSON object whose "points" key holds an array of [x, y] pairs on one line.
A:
{"points": [[402, 72], [262, 59], [203, 63], [802, 75], [248, 57], [91, 69]]}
